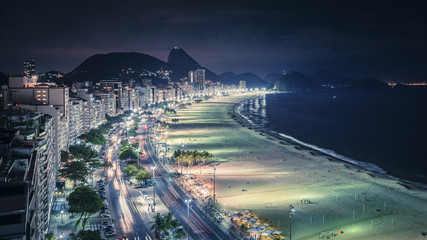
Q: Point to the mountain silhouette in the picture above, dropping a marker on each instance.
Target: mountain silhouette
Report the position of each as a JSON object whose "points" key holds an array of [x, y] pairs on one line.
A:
{"points": [[181, 63], [252, 80], [369, 84], [272, 77], [127, 66], [117, 65], [296, 82]]}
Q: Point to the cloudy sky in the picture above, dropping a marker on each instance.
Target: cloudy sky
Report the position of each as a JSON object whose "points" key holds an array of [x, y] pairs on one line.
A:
{"points": [[384, 39]]}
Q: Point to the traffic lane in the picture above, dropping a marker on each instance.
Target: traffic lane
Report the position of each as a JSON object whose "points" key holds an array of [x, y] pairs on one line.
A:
{"points": [[176, 204], [201, 215], [208, 224], [127, 219]]}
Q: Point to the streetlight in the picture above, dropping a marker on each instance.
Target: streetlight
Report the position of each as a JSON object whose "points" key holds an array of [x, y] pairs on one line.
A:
{"points": [[188, 218], [291, 214], [214, 183], [62, 217], [154, 189]]}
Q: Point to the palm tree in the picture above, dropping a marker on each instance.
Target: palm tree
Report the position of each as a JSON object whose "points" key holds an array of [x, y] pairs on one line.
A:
{"points": [[159, 224], [164, 222]]}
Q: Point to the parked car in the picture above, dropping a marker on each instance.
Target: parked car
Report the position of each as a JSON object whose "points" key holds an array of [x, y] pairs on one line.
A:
{"points": [[105, 211], [110, 233], [106, 225]]}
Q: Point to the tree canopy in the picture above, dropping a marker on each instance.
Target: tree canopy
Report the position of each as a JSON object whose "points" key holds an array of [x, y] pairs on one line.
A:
{"points": [[128, 152], [76, 171], [164, 222], [191, 158], [83, 152], [84, 201], [142, 175], [65, 156], [170, 111], [94, 136], [130, 170]]}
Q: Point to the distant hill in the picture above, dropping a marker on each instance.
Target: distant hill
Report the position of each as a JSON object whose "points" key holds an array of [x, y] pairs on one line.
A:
{"points": [[117, 65], [272, 77], [252, 80], [181, 63], [296, 82], [331, 79], [130, 65], [369, 84]]}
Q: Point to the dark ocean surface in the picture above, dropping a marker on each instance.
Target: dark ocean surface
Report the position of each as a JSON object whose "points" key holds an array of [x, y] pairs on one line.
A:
{"points": [[387, 128]]}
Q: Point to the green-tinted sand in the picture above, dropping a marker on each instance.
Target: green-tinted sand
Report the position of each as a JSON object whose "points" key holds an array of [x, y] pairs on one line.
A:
{"points": [[276, 175]]}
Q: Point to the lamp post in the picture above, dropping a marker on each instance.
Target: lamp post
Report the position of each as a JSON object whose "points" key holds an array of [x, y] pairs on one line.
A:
{"points": [[291, 214], [188, 218], [214, 183], [62, 217], [154, 189]]}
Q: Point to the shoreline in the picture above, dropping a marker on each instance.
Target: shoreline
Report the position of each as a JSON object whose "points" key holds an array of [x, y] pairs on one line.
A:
{"points": [[319, 150], [276, 173]]}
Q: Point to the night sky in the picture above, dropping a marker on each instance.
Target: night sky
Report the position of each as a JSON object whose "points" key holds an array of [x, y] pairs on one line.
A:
{"points": [[358, 39]]}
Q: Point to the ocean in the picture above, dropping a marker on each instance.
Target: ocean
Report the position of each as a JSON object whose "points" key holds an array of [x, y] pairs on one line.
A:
{"points": [[383, 131]]}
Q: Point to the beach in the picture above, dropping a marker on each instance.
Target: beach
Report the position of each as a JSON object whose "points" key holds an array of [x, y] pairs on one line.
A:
{"points": [[264, 174]]}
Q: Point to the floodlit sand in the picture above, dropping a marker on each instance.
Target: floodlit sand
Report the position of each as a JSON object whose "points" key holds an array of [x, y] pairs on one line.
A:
{"points": [[276, 174]]}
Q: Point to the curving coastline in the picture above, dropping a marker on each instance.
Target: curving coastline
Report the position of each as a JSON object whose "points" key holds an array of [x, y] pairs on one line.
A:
{"points": [[245, 116], [264, 173]]}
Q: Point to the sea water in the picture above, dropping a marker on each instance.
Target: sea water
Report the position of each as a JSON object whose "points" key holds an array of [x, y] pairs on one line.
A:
{"points": [[384, 131]]}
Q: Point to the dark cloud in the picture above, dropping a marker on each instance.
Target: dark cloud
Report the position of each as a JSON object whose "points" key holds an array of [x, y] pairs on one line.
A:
{"points": [[356, 38]]}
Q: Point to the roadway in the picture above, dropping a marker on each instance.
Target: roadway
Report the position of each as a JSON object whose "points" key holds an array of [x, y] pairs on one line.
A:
{"points": [[201, 227], [124, 206], [131, 214]]}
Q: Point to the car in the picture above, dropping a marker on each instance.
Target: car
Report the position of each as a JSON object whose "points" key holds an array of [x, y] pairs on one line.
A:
{"points": [[107, 225], [106, 217], [109, 228], [110, 233], [106, 221], [106, 211], [105, 202]]}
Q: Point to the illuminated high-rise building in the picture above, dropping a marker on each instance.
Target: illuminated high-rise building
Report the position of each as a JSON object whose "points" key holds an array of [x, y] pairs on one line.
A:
{"points": [[29, 68], [242, 85], [199, 77], [190, 77]]}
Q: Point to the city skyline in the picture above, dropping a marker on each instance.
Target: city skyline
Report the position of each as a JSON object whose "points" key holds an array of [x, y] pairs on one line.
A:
{"points": [[356, 39]]}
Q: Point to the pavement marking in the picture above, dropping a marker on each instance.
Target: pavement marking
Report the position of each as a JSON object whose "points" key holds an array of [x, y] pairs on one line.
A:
{"points": [[166, 202], [149, 216]]}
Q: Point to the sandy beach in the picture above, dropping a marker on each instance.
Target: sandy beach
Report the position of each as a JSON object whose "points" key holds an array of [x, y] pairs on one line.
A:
{"points": [[276, 173]]}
